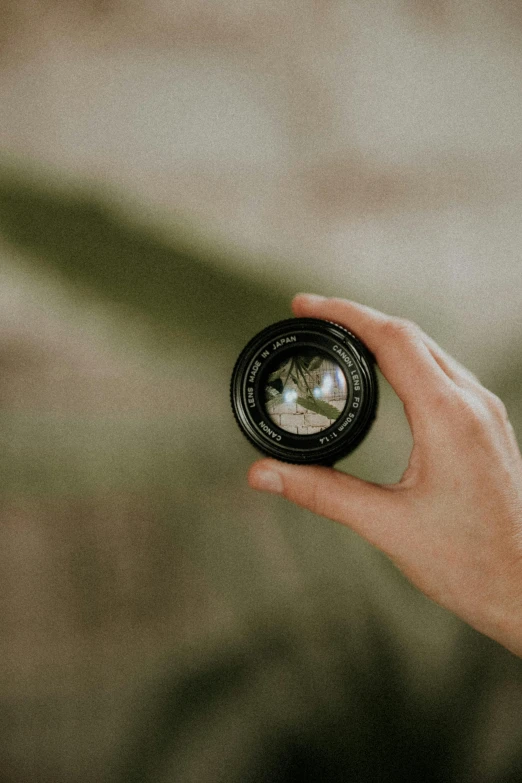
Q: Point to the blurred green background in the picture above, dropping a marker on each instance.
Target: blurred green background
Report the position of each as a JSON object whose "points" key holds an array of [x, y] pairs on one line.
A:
{"points": [[169, 178]]}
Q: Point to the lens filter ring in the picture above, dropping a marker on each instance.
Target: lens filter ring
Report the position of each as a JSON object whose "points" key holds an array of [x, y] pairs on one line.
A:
{"points": [[305, 390]]}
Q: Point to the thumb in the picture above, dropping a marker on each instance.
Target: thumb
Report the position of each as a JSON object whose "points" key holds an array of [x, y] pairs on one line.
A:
{"points": [[370, 509]]}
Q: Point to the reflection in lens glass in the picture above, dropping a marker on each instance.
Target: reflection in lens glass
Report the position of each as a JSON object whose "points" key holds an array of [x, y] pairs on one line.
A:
{"points": [[305, 393]]}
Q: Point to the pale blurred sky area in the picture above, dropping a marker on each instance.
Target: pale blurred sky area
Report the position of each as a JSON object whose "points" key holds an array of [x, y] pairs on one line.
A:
{"points": [[170, 174]]}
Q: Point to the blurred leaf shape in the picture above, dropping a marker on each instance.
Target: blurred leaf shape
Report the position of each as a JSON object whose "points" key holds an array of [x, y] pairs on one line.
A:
{"points": [[181, 287]]}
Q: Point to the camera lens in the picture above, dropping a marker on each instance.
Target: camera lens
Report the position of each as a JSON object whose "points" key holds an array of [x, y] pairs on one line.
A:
{"points": [[304, 390]]}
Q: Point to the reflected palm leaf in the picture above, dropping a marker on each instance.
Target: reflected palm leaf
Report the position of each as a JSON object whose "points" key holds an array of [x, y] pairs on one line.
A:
{"points": [[319, 406], [298, 369]]}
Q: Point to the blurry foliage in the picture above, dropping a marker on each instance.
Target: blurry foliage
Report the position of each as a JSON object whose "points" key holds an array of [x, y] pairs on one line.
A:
{"points": [[375, 727], [180, 290]]}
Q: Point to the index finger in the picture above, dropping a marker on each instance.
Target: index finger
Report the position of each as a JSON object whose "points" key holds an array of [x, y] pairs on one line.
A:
{"points": [[397, 344]]}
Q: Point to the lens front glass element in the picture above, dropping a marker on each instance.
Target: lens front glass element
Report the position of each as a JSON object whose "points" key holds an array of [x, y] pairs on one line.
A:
{"points": [[305, 392]]}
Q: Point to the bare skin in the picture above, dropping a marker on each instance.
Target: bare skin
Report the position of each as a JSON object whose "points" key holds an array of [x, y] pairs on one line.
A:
{"points": [[453, 523]]}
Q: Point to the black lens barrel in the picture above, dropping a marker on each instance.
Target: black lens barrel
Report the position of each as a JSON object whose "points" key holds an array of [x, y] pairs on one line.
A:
{"points": [[305, 390]]}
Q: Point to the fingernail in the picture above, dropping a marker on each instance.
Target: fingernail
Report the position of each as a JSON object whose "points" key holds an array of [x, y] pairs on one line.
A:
{"points": [[267, 481], [312, 298]]}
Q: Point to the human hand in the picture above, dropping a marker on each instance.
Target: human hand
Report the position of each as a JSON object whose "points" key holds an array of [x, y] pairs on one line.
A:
{"points": [[453, 523]]}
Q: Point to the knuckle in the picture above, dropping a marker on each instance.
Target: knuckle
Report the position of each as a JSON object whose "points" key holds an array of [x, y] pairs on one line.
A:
{"points": [[450, 410], [440, 402], [467, 406], [472, 414], [401, 329], [495, 405]]}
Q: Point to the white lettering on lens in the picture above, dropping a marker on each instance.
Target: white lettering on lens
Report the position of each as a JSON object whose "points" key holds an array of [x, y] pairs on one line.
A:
{"points": [[283, 341], [268, 431], [251, 400], [253, 371], [340, 352], [348, 421], [356, 380]]}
